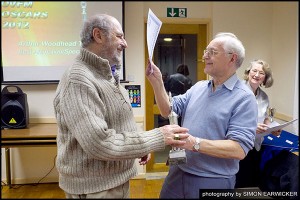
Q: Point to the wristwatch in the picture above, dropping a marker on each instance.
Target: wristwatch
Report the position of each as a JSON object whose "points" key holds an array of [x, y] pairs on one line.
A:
{"points": [[197, 144]]}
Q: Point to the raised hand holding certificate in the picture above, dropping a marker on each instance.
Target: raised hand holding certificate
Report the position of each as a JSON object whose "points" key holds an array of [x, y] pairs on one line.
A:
{"points": [[153, 28]]}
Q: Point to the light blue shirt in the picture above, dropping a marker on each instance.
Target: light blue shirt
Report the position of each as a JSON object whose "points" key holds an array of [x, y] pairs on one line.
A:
{"points": [[228, 113]]}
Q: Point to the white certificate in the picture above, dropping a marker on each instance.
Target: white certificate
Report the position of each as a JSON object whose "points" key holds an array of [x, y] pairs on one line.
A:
{"points": [[153, 27]]}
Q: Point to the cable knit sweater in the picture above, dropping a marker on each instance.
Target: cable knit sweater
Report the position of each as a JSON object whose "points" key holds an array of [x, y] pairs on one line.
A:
{"points": [[97, 141]]}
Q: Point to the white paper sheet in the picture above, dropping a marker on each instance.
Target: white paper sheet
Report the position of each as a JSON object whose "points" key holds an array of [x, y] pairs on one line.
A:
{"points": [[274, 126], [153, 28]]}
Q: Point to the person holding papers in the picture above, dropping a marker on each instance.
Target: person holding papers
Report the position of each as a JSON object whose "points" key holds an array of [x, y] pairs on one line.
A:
{"points": [[221, 115], [258, 74]]}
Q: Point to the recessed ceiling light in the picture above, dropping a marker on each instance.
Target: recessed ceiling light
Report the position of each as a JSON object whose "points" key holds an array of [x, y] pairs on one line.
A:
{"points": [[168, 39]]}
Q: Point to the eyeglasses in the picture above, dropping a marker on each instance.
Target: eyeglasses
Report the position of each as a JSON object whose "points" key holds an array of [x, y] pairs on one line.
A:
{"points": [[257, 72], [211, 52]]}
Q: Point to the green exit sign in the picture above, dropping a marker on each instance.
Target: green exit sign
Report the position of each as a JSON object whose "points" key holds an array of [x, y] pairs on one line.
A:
{"points": [[176, 12]]}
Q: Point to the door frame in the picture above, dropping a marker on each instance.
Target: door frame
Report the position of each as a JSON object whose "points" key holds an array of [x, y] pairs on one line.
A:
{"points": [[174, 26]]}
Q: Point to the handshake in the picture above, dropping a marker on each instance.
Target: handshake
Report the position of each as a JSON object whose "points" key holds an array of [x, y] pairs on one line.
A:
{"points": [[178, 137], [174, 135]]}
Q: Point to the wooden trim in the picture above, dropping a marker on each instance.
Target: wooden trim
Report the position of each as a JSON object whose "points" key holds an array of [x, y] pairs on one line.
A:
{"points": [[158, 167], [52, 120], [156, 110], [42, 120], [138, 118], [283, 117], [140, 176], [33, 180]]}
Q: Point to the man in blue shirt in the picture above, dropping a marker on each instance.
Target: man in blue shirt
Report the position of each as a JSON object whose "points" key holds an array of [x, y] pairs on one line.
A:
{"points": [[221, 115]]}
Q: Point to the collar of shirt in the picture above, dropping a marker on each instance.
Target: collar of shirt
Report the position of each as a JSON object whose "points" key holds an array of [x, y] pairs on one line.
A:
{"points": [[229, 83]]}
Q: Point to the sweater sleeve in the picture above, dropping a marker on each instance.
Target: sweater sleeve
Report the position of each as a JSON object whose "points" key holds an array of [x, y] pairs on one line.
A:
{"points": [[86, 115]]}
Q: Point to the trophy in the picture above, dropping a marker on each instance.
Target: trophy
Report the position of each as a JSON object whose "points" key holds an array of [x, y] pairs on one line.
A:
{"points": [[176, 155], [271, 113]]}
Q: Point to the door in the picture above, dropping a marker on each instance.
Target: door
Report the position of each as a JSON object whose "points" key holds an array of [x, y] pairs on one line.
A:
{"points": [[167, 63]]}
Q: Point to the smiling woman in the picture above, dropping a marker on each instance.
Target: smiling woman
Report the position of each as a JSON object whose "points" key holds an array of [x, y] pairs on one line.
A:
{"points": [[38, 42]]}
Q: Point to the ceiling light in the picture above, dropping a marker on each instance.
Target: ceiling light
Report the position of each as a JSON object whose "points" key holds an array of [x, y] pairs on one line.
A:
{"points": [[167, 39]]}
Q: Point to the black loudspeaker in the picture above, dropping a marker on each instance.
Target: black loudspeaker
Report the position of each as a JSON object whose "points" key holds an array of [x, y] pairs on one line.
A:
{"points": [[14, 108]]}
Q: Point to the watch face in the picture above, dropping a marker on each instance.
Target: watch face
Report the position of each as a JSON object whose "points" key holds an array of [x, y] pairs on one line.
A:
{"points": [[197, 145]]}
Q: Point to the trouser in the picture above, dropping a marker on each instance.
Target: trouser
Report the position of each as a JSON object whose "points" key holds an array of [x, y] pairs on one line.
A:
{"points": [[120, 192], [180, 184]]}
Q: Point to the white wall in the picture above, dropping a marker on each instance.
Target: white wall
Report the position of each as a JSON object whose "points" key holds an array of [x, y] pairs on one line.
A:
{"points": [[285, 57], [134, 54], [269, 30]]}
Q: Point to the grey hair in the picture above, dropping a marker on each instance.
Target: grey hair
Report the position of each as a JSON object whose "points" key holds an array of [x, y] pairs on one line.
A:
{"points": [[268, 82], [101, 21], [232, 44]]}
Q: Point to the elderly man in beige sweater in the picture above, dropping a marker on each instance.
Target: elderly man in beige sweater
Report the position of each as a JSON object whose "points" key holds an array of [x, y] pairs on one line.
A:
{"points": [[98, 141]]}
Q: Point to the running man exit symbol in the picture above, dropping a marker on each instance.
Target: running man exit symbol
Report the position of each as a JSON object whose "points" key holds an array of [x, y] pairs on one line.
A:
{"points": [[176, 12]]}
